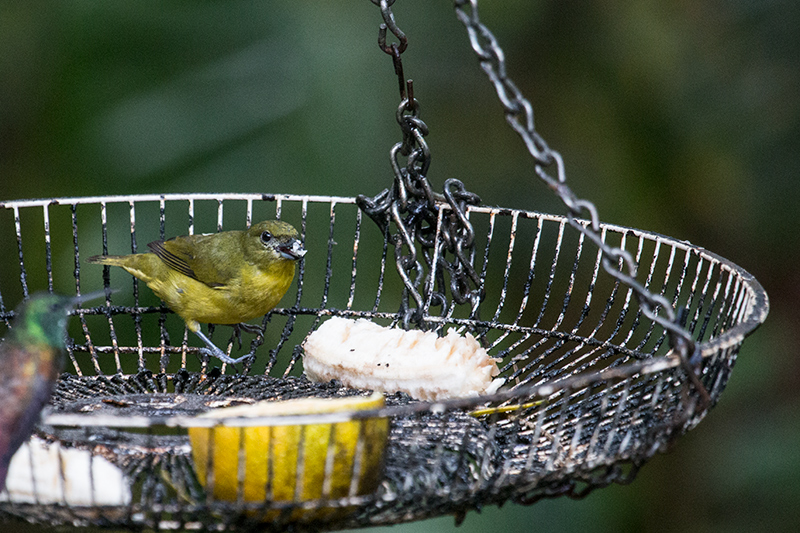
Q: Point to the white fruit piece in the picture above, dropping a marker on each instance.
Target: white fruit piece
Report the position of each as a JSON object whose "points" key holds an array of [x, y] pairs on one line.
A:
{"points": [[47, 473], [364, 355]]}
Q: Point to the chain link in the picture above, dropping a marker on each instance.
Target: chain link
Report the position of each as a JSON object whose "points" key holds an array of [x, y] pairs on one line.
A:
{"points": [[416, 210], [549, 166]]}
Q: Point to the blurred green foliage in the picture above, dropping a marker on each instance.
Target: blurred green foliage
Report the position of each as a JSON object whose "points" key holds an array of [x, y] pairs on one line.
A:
{"points": [[677, 117]]}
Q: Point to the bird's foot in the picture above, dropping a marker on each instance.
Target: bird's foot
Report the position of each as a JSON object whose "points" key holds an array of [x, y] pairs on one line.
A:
{"points": [[249, 328], [212, 350], [225, 358]]}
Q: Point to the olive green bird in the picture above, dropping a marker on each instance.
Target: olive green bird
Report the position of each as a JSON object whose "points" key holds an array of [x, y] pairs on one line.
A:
{"points": [[218, 278], [31, 358]]}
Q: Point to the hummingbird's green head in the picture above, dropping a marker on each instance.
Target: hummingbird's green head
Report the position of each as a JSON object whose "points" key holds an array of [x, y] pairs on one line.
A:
{"points": [[42, 319]]}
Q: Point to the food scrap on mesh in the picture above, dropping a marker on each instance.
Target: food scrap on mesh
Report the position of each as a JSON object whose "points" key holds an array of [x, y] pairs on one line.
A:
{"points": [[364, 355]]}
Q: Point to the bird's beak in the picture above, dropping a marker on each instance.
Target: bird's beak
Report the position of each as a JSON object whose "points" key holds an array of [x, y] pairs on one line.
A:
{"points": [[292, 250], [87, 297]]}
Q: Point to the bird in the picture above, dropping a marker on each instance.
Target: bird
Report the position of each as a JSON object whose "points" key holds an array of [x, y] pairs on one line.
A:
{"points": [[31, 358], [228, 277]]}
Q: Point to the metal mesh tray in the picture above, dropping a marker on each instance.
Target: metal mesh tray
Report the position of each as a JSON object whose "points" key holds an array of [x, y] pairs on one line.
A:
{"points": [[592, 390]]}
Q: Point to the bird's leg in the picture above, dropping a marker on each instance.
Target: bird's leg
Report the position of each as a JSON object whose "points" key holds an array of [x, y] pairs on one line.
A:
{"points": [[212, 349]]}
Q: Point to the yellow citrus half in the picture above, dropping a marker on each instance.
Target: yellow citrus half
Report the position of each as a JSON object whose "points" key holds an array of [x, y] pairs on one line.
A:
{"points": [[295, 462]]}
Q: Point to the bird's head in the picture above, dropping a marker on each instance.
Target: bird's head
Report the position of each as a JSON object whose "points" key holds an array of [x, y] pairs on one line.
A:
{"points": [[42, 319], [273, 240]]}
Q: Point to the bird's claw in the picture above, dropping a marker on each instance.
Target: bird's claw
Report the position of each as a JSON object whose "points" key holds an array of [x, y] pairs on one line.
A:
{"points": [[225, 358], [251, 328], [211, 349]]}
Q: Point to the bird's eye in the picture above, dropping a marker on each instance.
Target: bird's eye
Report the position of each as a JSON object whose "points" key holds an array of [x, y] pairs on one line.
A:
{"points": [[266, 237]]}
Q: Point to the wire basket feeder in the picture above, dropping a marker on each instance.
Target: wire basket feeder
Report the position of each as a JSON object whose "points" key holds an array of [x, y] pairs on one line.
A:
{"points": [[611, 341]]}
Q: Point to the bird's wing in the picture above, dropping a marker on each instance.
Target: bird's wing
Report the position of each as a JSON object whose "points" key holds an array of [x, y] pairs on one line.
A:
{"points": [[195, 256], [172, 256]]}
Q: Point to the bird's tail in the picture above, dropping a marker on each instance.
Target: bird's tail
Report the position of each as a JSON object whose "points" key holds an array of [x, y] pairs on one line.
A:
{"points": [[113, 260], [143, 266]]}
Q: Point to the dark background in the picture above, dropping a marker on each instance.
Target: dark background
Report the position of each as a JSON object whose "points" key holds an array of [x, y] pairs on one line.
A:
{"points": [[677, 117]]}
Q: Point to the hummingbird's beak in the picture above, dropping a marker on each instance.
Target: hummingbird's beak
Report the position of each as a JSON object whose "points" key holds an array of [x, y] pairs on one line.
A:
{"points": [[89, 296]]}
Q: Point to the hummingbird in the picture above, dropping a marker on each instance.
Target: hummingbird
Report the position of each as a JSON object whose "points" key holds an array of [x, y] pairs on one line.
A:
{"points": [[31, 358]]}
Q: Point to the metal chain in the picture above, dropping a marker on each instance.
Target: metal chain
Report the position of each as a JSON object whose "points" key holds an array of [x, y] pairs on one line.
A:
{"points": [[617, 262], [415, 209]]}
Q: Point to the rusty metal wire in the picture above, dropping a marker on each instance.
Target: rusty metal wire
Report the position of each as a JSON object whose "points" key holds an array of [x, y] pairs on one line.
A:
{"points": [[598, 389], [600, 371]]}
